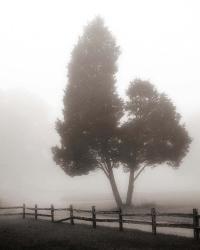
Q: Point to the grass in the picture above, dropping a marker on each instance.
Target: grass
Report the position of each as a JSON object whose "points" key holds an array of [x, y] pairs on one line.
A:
{"points": [[18, 234]]}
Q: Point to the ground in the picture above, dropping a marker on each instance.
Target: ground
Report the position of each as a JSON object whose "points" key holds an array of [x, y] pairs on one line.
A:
{"points": [[19, 234]]}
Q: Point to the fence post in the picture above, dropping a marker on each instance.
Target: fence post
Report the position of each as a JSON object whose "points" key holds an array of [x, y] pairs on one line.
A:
{"points": [[120, 220], [94, 217], [52, 213], [71, 215], [153, 219], [23, 211], [195, 223], [35, 211]]}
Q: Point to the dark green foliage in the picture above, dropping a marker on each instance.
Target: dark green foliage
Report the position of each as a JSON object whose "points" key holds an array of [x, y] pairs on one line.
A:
{"points": [[153, 133], [91, 106]]}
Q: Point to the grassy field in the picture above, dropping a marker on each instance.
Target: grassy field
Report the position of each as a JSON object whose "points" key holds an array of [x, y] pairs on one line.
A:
{"points": [[18, 234]]}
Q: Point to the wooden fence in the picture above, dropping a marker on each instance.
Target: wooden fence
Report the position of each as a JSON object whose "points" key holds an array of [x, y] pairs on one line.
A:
{"points": [[121, 218]]}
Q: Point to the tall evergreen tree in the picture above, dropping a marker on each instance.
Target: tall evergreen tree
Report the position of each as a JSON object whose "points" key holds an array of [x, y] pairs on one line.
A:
{"points": [[92, 108]]}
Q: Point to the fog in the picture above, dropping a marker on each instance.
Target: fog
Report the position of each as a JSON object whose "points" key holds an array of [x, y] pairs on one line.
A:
{"points": [[159, 41]]}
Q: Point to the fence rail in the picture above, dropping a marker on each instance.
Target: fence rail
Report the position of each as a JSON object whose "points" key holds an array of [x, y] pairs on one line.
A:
{"points": [[9, 214], [183, 215], [137, 214], [31, 208], [120, 217], [11, 207]]}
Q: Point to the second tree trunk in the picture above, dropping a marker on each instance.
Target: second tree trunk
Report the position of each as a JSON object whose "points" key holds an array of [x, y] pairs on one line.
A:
{"points": [[130, 188]]}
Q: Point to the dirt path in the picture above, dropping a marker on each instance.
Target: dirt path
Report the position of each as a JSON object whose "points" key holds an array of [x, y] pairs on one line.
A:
{"points": [[146, 228]]}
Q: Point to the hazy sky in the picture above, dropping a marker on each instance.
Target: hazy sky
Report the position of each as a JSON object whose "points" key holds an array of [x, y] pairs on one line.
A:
{"points": [[159, 41]]}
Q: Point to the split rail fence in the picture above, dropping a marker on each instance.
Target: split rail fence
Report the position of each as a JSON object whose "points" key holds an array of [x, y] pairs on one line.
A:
{"points": [[120, 217]]}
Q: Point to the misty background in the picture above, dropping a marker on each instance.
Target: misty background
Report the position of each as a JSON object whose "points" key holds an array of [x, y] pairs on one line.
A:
{"points": [[159, 41]]}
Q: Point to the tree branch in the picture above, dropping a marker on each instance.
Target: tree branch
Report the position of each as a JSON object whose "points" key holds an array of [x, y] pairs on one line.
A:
{"points": [[102, 167], [139, 172], [112, 164]]}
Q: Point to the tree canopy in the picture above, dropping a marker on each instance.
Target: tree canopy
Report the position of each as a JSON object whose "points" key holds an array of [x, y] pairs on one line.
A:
{"points": [[153, 133], [92, 133], [92, 108]]}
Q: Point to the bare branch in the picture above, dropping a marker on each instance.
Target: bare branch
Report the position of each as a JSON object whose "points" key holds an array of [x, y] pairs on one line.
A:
{"points": [[103, 167], [112, 164], [139, 172]]}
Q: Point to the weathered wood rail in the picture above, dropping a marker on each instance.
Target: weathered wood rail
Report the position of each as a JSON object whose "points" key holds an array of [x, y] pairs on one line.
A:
{"points": [[119, 217]]}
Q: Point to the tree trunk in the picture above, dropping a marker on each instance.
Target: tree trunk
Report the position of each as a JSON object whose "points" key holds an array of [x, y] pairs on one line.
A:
{"points": [[130, 188], [114, 188]]}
